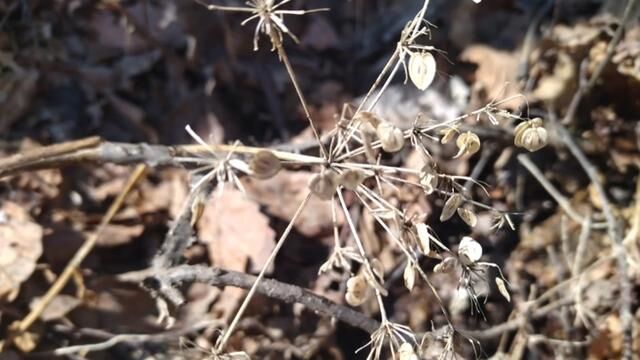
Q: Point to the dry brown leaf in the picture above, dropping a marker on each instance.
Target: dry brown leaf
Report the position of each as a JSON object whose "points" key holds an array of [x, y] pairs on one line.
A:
{"points": [[236, 232], [20, 248]]}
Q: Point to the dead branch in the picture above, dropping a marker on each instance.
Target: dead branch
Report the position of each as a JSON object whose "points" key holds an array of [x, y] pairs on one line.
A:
{"points": [[161, 281]]}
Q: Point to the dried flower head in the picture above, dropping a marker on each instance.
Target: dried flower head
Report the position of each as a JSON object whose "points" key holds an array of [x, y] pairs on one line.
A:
{"points": [[265, 164], [324, 184], [391, 137], [531, 135], [468, 144], [422, 69], [357, 290], [469, 251]]}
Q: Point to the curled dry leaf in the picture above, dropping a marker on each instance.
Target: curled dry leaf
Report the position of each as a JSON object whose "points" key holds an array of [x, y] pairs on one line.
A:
{"points": [[469, 251], [468, 216], [391, 137], [503, 289], [352, 178], [422, 69], [468, 144], [20, 248], [450, 207], [324, 184], [264, 165], [409, 276]]}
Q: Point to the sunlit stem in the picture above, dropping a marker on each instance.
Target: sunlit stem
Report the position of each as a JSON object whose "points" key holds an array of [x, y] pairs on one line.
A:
{"points": [[225, 336]]}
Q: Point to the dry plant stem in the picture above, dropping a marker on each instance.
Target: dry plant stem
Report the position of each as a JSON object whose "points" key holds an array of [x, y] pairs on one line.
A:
{"points": [[555, 194], [129, 338], [268, 287], [14, 162], [82, 252], [101, 152], [225, 337], [615, 236], [275, 40]]}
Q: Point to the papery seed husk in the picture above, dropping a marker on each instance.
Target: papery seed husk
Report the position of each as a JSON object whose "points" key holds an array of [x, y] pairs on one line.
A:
{"points": [[450, 207], [391, 137], [352, 178], [502, 288], [469, 250], [468, 216], [534, 139], [445, 265], [406, 352], [367, 117], [424, 238], [448, 134], [422, 69], [324, 184], [468, 144], [409, 276], [428, 179], [354, 300], [265, 164]]}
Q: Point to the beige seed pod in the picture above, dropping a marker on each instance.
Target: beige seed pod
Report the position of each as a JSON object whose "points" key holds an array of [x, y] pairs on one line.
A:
{"points": [[391, 137], [448, 134], [352, 178], [450, 207], [406, 352], [409, 276], [428, 179], [264, 165], [468, 144], [357, 290], [324, 184], [531, 135], [422, 69], [445, 265], [424, 238], [468, 216], [502, 288], [469, 251]]}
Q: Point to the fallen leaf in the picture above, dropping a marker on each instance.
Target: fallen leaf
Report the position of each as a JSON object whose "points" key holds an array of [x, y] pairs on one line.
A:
{"points": [[20, 248]]}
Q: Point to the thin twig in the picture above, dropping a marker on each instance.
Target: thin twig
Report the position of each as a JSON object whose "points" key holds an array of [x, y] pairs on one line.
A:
{"points": [[82, 252], [268, 287]]}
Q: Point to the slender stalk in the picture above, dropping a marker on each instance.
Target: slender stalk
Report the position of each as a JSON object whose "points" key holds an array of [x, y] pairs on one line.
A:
{"points": [[225, 336]]}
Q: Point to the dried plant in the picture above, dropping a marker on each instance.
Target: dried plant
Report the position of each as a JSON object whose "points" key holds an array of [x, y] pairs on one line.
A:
{"points": [[349, 159]]}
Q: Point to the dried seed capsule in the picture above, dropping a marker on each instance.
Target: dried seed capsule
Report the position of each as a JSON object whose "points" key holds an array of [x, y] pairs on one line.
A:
{"points": [[468, 144], [445, 265], [469, 251], [428, 179], [391, 138], [468, 216], [531, 135], [352, 178], [409, 276], [450, 207], [448, 134], [424, 238], [422, 69], [357, 290], [324, 184], [406, 352], [265, 164]]}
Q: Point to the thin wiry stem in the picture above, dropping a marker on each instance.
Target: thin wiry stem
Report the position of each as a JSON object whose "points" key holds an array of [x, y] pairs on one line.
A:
{"points": [[225, 336]]}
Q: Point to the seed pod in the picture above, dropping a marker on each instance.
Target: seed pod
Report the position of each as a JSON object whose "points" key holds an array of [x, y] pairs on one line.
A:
{"points": [[264, 165], [448, 134], [422, 69], [468, 216], [450, 207], [391, 138], [531, 135], [428, 179], [324, 184], [357, 289], [352, 178], [409, 276], [469, 251], [406, 352], [424, 238], [468, 144], [445, 265]]}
